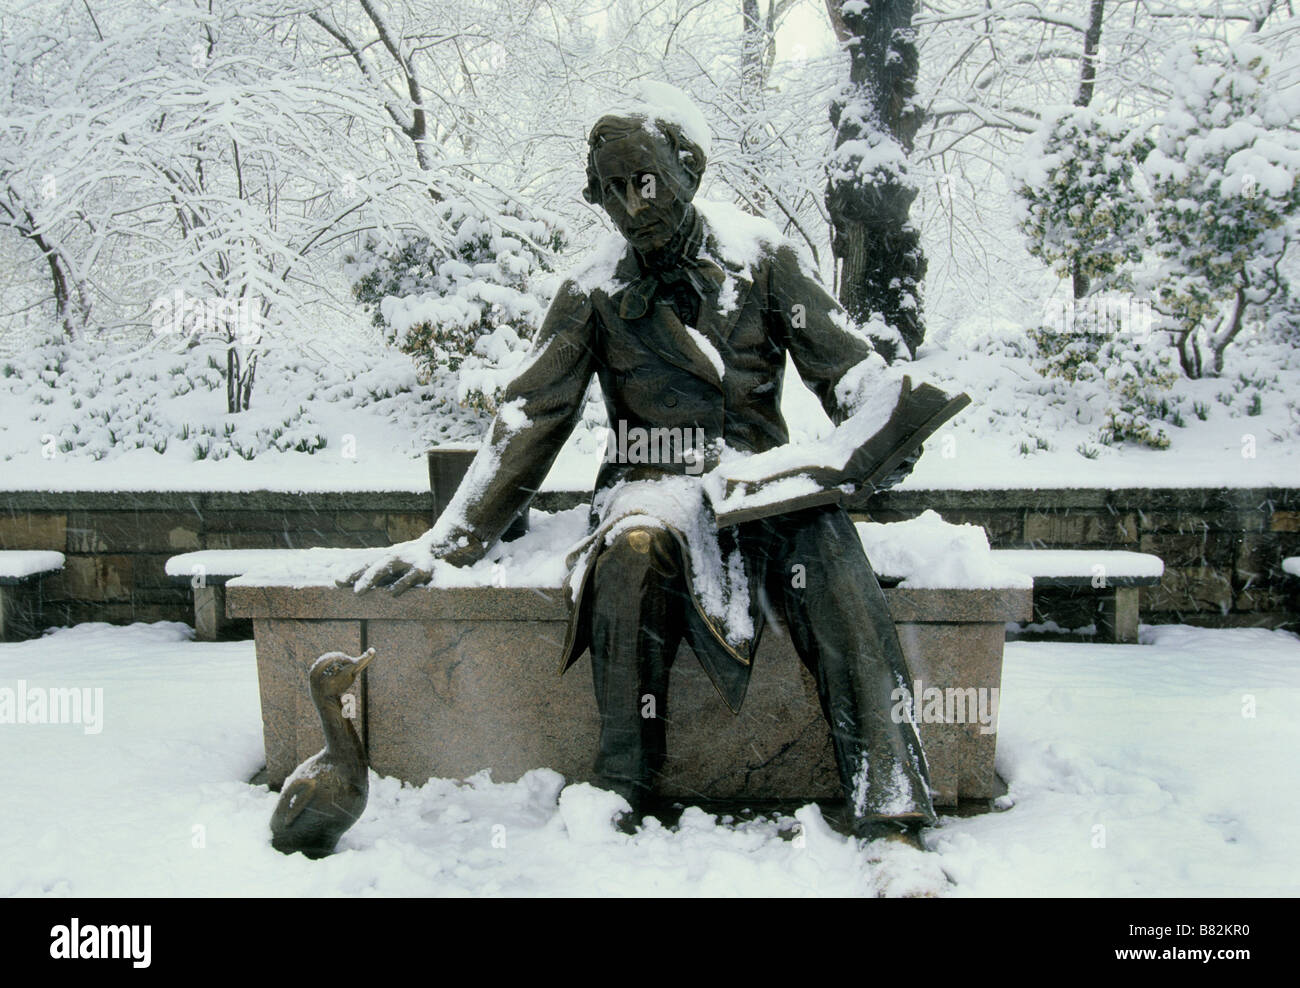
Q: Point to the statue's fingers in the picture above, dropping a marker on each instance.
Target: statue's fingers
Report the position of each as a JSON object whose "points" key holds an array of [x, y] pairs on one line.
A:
{"points": [[379, 575], [414, 578], [351, 579]]}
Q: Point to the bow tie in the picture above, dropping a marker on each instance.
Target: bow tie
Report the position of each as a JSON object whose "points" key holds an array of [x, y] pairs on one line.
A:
{"points": [[701, 274]]}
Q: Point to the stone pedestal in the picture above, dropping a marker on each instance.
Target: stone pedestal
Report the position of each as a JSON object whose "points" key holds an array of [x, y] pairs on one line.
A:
{"points": [[467, 679]]}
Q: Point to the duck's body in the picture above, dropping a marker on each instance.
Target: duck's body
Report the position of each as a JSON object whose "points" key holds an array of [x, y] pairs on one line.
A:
{"points": [[327, 793]]}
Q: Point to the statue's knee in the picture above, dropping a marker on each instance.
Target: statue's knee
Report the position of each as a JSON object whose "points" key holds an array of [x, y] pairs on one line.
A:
{"points": [[644, 546]]}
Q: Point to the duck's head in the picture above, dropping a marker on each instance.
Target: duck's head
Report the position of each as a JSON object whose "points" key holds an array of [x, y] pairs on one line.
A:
{"points": [[334, 672]]}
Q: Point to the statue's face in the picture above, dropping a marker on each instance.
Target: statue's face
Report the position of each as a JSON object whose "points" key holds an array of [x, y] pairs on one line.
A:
{"points": [[643, 188]]}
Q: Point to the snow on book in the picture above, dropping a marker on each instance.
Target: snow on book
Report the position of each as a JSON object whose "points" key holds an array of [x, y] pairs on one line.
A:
{"points": [[860, 453]]}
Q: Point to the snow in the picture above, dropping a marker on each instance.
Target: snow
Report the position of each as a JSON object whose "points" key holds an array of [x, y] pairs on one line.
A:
{"points": [[659, 101], [927, 551], [741, 238], [233, 562], [16, 564], [1292, 565], [596, 270], [676, 503], [1081, 562], [535, 559], [708, 349], [1138, 770], [375, 422], [832, 451]]}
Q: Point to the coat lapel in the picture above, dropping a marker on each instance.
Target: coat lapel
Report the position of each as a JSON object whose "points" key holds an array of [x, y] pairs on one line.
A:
{"points": [[729, 284], [717, 325]]}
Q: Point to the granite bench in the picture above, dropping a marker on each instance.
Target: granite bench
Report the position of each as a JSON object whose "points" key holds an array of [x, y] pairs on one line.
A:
{"points": [[209, 570], [21, 576], [466, 678], [1115, 574]]}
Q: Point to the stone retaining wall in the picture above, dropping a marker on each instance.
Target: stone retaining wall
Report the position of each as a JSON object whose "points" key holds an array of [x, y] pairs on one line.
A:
{"points": [[1223, 549]]}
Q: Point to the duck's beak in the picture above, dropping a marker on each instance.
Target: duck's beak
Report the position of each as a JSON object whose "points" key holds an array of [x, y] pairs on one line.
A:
{"points": [[363, 659]]}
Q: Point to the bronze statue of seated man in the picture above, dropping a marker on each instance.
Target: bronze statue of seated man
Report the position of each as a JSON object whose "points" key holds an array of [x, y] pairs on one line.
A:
{"points": [[687, 326]]}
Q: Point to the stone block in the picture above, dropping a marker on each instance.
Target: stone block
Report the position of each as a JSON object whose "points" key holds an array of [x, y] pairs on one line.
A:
{"points": [[34, 530], [95, 578], [1193, 523], [1078, 529], [1284, 521], [132, 531], [1205, 549], [1193, 588], [209, 612], [402, 526]]}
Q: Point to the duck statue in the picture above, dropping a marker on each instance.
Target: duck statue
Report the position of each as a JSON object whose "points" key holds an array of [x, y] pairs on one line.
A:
{"points": [[327, 793]]}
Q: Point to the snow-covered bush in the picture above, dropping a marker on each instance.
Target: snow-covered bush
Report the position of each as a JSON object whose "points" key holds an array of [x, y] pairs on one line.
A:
{"points": [[1131, 379], [99, 401], [1225, 180], [465, 305], [1074, 190], [1080, 208]]}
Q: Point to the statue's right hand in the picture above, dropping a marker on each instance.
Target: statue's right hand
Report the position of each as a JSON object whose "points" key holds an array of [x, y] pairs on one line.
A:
{"points": [[394, 574], [398, 573]]}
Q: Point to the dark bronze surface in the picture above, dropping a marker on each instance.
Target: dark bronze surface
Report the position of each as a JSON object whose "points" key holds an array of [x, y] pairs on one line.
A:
{"points": [[326, 794], [637, 334]]}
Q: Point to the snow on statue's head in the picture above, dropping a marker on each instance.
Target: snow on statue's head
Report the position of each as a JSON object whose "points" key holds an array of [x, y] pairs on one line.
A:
{"points": [[645, 161]]}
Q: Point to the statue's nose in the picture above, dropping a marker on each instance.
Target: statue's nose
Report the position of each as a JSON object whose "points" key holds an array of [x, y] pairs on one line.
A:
{"points": [[635, 202]]}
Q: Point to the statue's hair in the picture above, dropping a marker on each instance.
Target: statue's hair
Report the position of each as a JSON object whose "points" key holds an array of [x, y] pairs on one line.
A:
{"points": [[616, 126]]}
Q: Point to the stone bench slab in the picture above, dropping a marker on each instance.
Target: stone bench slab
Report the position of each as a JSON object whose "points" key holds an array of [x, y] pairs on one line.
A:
{"points": [[467, 679]]}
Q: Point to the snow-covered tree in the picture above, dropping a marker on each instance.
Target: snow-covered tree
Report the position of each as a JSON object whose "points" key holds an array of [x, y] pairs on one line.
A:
{"points": [[870, 188], [1078, 207], [464, 306], [1225, 180]]}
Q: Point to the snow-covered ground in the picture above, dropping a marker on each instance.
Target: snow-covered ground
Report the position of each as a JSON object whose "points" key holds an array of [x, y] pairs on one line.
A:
{"points": [[356, 418], [1161, 769]]}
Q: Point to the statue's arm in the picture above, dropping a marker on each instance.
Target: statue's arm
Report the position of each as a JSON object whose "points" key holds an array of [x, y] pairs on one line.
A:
{"points": [[537, 413], [835, 359], [539, 409]]}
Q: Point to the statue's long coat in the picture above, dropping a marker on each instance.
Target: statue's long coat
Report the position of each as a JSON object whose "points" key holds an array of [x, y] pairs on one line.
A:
{"points": [[654, 375]]}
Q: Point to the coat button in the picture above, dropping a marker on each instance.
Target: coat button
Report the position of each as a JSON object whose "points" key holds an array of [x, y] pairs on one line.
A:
{"points": [[670, 401]]}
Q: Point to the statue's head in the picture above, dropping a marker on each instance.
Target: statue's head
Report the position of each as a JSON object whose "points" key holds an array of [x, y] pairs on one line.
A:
{"points": [[643, 170]]}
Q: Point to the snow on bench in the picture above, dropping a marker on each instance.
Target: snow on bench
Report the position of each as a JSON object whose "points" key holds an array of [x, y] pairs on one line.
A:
{"points": [[209, 570], [215, 567], [927, 551], [923, 552], [21, 565], [20, 574], [1291, 565], [1115, 572], [1085, 567]]}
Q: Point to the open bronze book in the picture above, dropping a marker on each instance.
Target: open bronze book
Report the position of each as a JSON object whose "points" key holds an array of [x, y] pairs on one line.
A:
{"points": [[849, 463]]}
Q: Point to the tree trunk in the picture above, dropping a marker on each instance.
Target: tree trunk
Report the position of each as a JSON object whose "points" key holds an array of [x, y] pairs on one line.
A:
{"points": [[1087, 85], [1091, 42], [753, 42], [877, 248]]}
